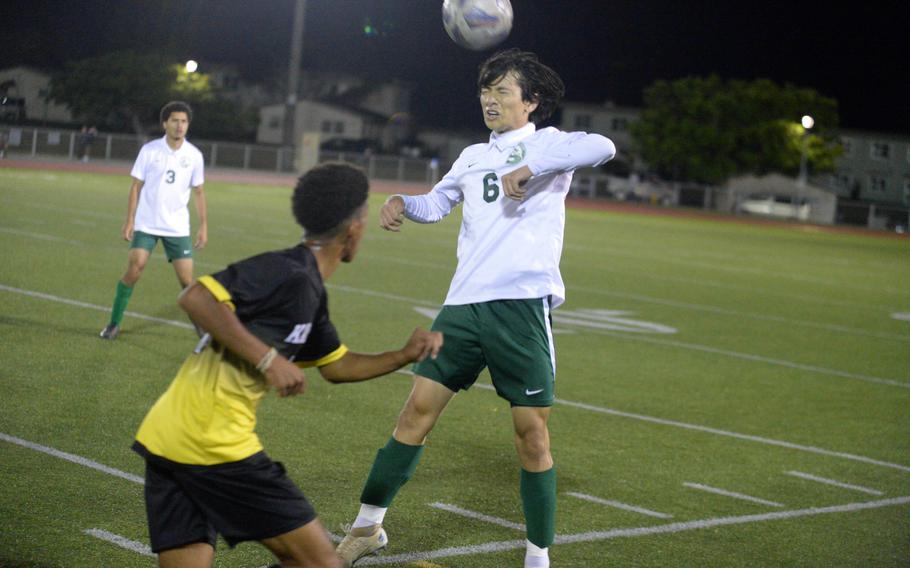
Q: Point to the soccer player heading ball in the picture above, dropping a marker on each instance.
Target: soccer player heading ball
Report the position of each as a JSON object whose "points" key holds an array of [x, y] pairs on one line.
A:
{"points": [[206, 471], [497, 311]]}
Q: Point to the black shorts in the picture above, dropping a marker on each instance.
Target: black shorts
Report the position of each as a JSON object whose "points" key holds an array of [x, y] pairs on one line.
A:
{"points": [[250, 499]]}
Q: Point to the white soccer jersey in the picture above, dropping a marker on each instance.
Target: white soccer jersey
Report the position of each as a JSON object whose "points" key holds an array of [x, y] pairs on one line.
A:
{"points": [[510, 249], [168, 176]]}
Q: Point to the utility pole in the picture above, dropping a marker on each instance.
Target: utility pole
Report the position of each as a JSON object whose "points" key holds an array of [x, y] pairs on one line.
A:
{"points": [[290, 109]]}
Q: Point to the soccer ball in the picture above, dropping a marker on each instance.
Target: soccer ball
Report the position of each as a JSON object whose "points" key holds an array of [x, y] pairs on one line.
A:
{"points": [[477, 24]]}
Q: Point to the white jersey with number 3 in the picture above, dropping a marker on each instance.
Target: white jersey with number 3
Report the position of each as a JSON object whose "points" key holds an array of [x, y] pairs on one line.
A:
{"points": [[168, 177], [510, 249]]}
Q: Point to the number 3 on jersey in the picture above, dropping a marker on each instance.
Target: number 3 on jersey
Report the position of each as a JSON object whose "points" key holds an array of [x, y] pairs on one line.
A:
{"points": [[171, 174], [490, 189]]}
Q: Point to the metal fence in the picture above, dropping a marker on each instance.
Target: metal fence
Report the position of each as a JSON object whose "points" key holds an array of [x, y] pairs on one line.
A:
{"points": [[873, 216], [878, 216], [70, 144]]}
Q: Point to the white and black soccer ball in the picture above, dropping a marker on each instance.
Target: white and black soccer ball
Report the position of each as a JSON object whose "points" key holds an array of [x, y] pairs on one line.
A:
{"points": [[477, 24]]}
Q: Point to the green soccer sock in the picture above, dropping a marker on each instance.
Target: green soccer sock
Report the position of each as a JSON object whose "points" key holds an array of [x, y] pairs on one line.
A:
{"points": [[120, 301], [393, 467], [538, 498]]}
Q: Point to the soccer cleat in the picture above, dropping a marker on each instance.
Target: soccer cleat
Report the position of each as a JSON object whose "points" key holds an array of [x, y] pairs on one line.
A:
{"points": [[361, 542], [110, 332]]}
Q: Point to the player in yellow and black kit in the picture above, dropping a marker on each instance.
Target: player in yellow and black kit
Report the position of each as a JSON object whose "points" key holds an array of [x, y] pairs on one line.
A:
{"points": [[267, 316]]}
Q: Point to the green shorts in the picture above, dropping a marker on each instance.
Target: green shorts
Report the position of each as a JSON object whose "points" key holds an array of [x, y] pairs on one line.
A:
{"points": [[514, 338], [174, 247]]}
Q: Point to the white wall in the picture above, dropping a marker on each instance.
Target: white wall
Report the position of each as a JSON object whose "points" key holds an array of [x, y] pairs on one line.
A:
{"points": [[29, 85]]}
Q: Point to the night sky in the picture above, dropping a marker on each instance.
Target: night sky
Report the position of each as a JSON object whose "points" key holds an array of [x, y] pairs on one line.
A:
{"points": [[604, 49]]}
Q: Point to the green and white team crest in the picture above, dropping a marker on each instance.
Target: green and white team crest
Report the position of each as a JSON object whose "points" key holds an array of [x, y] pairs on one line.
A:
{"points": [[517, 155]]}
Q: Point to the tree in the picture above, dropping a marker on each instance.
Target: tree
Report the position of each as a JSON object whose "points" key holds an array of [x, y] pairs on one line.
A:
{"points": [[125, 90], [117, 90], [707, 130]]}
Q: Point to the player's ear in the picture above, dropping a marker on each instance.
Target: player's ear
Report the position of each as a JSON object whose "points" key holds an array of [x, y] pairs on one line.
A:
{"points": [[351, 232]]}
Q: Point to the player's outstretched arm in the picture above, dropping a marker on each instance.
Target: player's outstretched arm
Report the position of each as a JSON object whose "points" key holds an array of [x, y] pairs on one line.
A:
{"points": [[355, 367], [224, 326]]}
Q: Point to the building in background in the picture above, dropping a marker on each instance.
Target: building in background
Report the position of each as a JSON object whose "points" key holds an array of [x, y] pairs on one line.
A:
{"points": [[347, 111], [874, 167], [348, 128], [608, 119], [23, 96]]}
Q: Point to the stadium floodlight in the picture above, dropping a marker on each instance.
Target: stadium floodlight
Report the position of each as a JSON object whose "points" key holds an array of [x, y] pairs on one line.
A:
{"points": [[191, 66], [808, 122]]}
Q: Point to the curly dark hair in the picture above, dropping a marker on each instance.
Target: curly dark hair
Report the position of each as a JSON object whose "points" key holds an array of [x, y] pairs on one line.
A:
{"points": [[176, 106], [538, 82], [327, 196]]}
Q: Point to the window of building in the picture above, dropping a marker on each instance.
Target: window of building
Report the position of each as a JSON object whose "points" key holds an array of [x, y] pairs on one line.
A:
{"points": [[583, 121], [618, 124], [339, 127], [880, 150], [847, 144], [326, 126], [878, 184], [841, 181], [274, 122]]}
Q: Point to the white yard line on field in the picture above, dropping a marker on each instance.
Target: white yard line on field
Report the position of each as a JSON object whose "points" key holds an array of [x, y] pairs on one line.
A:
{"points": [[72, 458], [596, 536], [618, 505], [39, 236], [121, 541], [733, 494], [478, 516], [78, 304], [835, 483]]}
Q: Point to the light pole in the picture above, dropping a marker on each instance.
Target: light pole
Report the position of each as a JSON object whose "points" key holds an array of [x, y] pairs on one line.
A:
{"points": [[807, 122], [191, 66], [290, 105]]}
